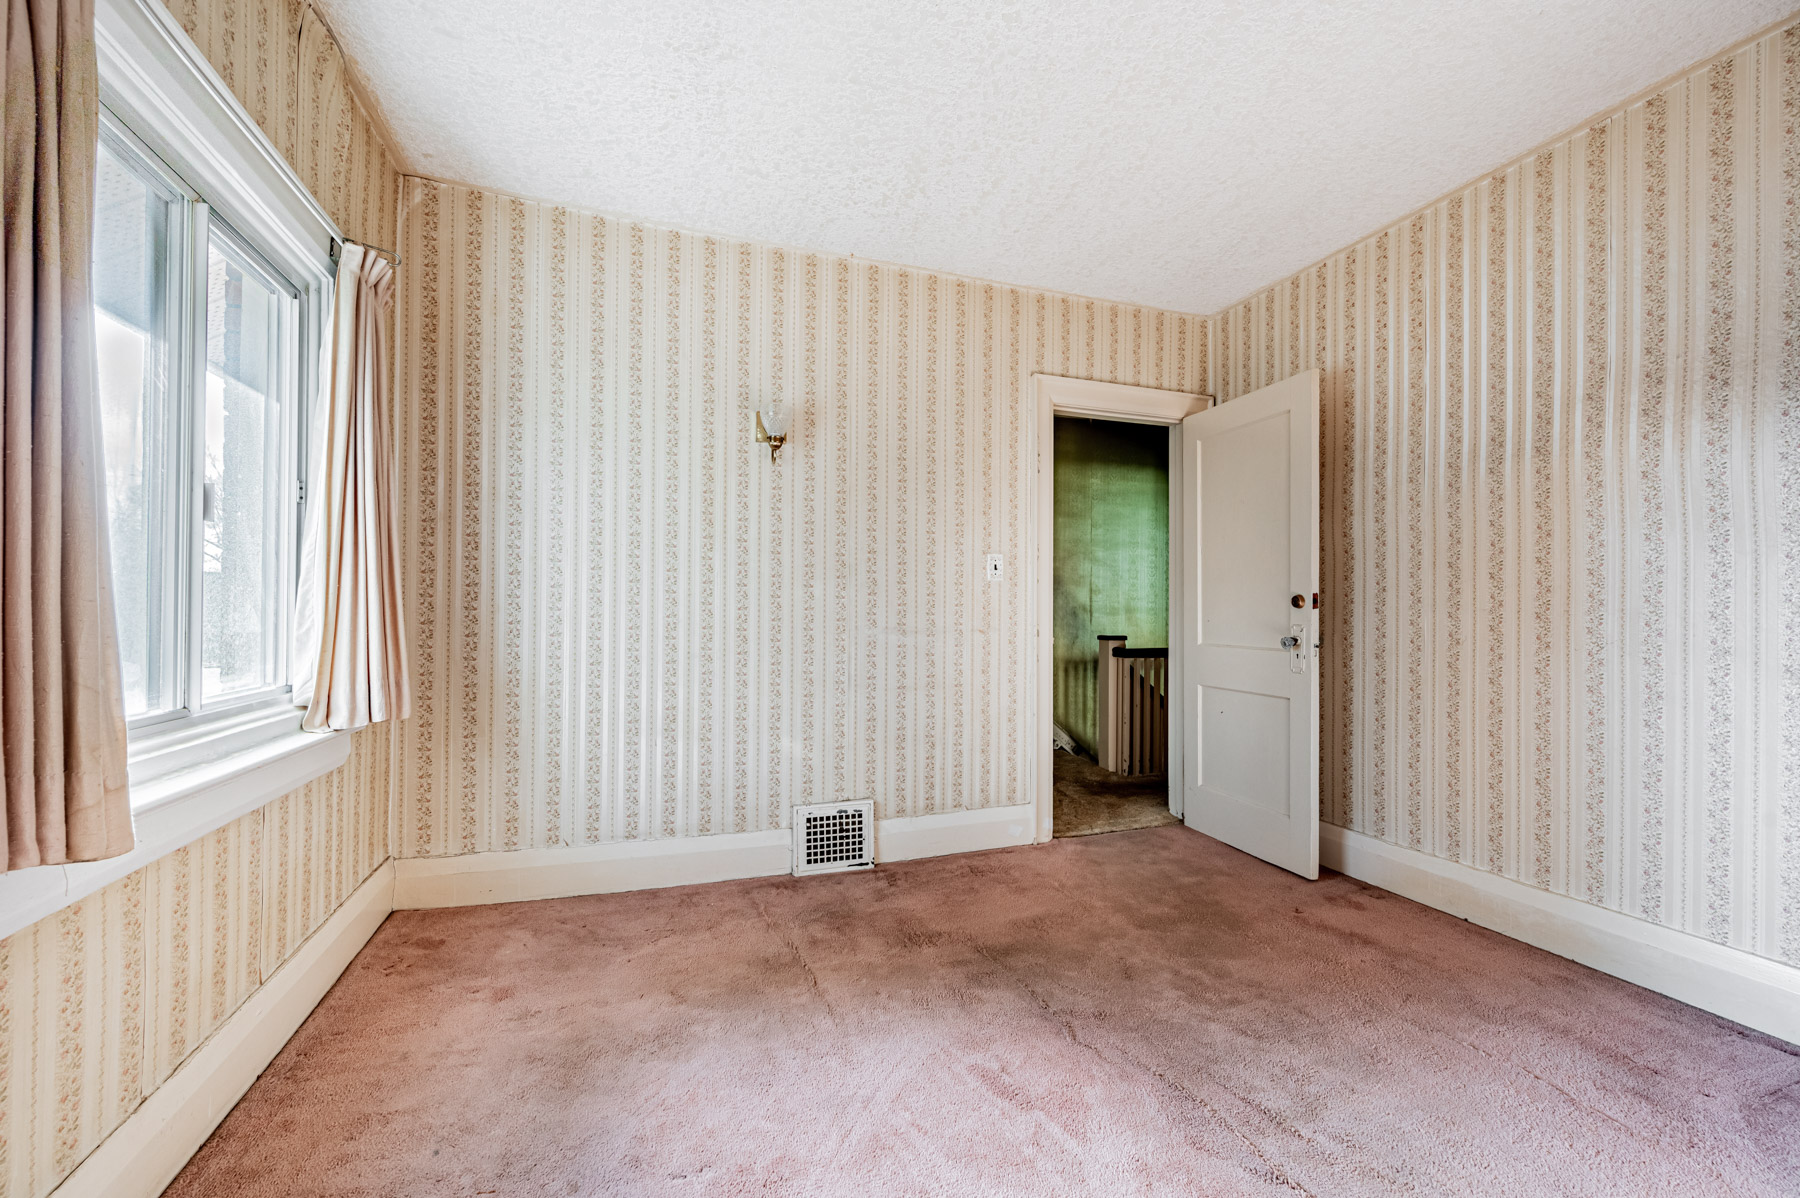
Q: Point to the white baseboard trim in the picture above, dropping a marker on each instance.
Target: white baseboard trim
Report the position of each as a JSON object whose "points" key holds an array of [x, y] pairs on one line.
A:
{"points": [[954, 832], [143, 1155], [527, 874], [1741, 986]]}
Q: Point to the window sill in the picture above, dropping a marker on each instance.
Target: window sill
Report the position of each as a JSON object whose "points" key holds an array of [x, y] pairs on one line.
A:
{"points": [[179, 794]]}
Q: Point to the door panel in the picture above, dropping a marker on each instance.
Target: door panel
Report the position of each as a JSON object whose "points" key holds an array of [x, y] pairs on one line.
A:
{"points": [[1250, 492], [1244, 740], [1240, 494]]}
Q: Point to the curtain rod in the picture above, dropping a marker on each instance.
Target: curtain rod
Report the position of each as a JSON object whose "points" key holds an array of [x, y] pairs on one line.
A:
{"points": [[337, 245]]}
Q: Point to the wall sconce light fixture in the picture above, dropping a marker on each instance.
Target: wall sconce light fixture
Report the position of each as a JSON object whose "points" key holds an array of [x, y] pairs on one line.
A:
{"points": [[772, 427]]}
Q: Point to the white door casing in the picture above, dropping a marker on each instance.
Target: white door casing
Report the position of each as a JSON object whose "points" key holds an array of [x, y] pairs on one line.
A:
{"points": [[1054, 396], [1250, 481]]}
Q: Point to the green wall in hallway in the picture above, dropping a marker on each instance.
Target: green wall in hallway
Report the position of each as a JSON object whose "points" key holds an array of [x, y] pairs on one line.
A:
{"points": [[1111, 554]]}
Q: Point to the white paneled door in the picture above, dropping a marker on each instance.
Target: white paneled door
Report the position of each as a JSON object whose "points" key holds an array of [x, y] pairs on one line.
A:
{"points": [[1250, 487]]}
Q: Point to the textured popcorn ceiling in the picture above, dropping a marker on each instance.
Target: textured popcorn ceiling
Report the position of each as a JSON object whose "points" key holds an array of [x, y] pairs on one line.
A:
{"points": [[1155, 151]]}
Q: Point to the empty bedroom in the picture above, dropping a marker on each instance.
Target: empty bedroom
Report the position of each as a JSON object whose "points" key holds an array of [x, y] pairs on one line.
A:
{"points": [[812, 598]]}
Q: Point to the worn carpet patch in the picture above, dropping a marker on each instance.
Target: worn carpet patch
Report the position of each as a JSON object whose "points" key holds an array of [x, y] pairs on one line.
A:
{"points": [[1090, 799]]}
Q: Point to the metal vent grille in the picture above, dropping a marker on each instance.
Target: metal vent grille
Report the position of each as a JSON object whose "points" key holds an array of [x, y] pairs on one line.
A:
{"points": [[831, 837]]}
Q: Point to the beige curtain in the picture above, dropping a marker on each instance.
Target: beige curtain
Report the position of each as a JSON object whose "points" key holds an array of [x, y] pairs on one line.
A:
{"points": [[349, 649], [62, 710]]}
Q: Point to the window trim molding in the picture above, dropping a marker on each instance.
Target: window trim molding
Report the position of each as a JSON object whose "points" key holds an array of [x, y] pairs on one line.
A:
{"points": [[177, 809], [150, 67]]}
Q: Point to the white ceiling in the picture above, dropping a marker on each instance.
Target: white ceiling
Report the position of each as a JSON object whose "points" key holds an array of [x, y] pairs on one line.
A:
{"points": [[1168, 153]]}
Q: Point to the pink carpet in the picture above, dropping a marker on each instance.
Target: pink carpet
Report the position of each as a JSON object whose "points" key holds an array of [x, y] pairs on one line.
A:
{"points": [[1139, 1013]]}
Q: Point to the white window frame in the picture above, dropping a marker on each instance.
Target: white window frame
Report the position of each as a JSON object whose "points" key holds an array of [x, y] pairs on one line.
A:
{"points": [[199, 224], [299, 356], [158, 87], [178, 317]]}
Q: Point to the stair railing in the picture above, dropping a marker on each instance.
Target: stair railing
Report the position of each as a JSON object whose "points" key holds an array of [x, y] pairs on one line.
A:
{"points": [[1132, 705]]}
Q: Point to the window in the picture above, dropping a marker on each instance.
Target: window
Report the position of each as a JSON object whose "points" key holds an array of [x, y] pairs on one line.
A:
{"points": [[248, 481], [200, 371], [134, 225]]}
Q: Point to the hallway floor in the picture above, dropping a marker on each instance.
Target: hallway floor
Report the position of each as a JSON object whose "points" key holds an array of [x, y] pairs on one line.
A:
{"points": [[1143, 1013], [1090, 799]]}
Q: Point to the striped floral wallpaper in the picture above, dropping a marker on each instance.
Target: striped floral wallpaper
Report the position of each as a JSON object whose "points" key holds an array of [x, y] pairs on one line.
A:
{"points": [[100, 1002], [1562, 431], [627, 622]]}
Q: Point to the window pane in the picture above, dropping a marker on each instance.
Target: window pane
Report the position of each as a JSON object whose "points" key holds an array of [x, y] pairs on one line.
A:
{"points": [[243, 488], [132, 231]]}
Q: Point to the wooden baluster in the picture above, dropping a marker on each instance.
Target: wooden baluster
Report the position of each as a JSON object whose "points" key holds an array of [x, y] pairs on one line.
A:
{"points": [[1155, 667], [1120, 736], [1130, 715], [1156, 718], [1131, 732], [1137, 736], [1118, 709], [1150, 717], [1122, 720], [1136, 698], [1142, 713], [1107, 701], [1121, 713], [1131, 720], [1162, 720]]}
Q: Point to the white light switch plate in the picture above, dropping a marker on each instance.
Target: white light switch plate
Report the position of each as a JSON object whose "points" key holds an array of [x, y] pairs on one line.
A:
{"points": [[995, 566]]}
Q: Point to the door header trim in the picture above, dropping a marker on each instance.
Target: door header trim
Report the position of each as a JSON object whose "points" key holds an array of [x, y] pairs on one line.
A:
{"points": [[1117, 401]]}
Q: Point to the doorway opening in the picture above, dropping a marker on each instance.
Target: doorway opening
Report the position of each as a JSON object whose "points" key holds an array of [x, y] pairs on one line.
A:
{"points": [[1110, 626], [1106, 406]]}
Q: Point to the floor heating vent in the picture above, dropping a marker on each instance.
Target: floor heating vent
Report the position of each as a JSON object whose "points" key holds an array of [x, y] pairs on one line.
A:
{"points": [[833, 837]]}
